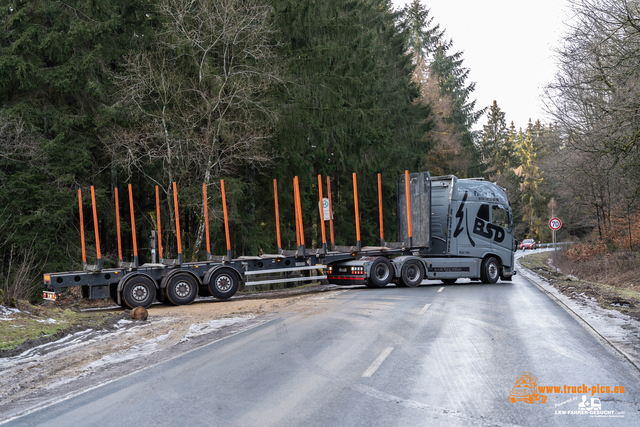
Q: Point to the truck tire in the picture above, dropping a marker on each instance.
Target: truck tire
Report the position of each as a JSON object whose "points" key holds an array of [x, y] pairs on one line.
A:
{"points": [[412, 273], [139, 291], [224, 283], [490, 270], [181, 289], [381, 272]]}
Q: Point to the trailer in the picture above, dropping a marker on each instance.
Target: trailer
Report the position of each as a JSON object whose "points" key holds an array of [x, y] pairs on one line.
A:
{"points": [[433, 246]]}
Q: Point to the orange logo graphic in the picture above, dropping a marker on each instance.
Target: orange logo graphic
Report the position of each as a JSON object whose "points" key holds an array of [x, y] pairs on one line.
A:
{"points": [[526, 389]]}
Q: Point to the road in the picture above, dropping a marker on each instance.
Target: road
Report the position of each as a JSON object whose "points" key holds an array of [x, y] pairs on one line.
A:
{"points": [[432, 355]]}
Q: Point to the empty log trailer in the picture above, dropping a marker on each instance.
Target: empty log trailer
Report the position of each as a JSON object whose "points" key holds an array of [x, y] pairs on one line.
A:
{"points": [[430, 248]]}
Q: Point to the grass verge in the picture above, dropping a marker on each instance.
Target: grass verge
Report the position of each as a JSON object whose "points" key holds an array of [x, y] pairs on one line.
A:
{"points": [[29, 325], [618, 298]]}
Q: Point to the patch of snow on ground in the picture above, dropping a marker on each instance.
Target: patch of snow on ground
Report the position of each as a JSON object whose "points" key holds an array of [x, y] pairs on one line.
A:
{"points": [[6, 312], [203, 328]]}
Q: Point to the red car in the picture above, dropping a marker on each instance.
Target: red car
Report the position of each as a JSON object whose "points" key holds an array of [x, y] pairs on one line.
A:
{"points": [[528, 244]]}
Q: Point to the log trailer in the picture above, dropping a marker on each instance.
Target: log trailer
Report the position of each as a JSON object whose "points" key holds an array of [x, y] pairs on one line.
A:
{"points": [[437, 242]]}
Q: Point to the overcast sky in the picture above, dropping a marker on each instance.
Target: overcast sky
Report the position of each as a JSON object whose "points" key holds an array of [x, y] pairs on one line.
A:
{"points": [[507, 46]]}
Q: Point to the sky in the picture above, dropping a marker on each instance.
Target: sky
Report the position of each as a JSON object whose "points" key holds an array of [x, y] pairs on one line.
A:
{"points": [[507, 46]]}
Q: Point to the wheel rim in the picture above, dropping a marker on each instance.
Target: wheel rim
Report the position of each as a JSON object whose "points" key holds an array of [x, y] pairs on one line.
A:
{"points": [[382, 272], [493, 271], [183, 289], [413, 273], [223, 283], [139, 293]]}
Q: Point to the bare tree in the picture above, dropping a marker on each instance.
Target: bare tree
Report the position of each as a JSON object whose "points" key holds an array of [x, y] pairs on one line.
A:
{"points": [[198, 98]]}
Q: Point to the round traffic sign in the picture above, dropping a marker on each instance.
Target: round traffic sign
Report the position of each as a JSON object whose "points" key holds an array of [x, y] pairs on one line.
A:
{"points": [[555, 224]]}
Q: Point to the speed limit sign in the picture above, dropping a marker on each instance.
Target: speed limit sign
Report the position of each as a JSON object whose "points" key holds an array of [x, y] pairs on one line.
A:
{"points": [[555, 224]]}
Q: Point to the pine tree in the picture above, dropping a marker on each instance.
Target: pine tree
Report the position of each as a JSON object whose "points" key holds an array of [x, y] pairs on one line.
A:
{"points": [[494, 146]]}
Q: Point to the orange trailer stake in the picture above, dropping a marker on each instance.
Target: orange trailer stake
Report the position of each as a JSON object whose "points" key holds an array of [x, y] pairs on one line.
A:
{"points": [[330, 211], [175, 203], [84, 254], [158, 222], [299, 212], [406, 183], [206, 216], [355, 201], [380, 206], [324, 237], [95, 223], [133, 223], [118, 226], [295, 211], [224, 208], [275, 196]]}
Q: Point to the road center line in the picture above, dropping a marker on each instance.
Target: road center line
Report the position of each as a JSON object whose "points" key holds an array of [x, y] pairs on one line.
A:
{"points": [[376, 363], [441, 289], [422, 311]]}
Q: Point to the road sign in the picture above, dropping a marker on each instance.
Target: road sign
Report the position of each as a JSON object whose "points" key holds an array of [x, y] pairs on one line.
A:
{"points": [[555, 224], [324, 211]]}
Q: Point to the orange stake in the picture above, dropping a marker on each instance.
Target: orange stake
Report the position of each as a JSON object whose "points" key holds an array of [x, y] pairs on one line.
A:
{"points": [[158, 223], [380, 207], [330, 211], [84, 254], [324, 237], [299, 212], [133, 228], [206, 217], [275, 196], [355, 201], [175, 203], [406, 183], [295, 210], [95, 227], [118, 227], [226, 221]]}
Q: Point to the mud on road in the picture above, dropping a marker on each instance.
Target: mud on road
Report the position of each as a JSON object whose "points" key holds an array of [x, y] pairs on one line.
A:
{"points": [[82, 360]]}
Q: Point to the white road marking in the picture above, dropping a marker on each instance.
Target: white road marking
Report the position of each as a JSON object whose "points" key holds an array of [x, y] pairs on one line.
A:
{"points": [[376, 364], [424, 309], [441, 289]]}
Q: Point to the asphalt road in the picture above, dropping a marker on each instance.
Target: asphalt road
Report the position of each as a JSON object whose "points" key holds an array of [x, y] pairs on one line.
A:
{"points": [[432, 355]]}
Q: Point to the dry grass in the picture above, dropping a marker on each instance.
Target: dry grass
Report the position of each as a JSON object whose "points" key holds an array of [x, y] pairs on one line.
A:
{"points": [[612, 283]]}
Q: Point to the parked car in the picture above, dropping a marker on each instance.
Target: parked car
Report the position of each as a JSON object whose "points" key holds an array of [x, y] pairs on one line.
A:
{"points": [[528, 244]]}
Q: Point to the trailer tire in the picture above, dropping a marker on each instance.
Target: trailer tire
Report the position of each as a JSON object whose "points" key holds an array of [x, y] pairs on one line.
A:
{"points": [[381, 272], [490, 271], [224, 283], [139, 291], [412, 273], [181, 289]]}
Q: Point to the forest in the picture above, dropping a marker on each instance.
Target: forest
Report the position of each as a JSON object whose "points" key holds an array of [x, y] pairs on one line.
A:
{"points": [[151, 92]]}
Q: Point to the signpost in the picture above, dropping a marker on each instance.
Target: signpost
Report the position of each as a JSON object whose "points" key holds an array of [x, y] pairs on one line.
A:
{"points": [[555, 224], [324, 209]]}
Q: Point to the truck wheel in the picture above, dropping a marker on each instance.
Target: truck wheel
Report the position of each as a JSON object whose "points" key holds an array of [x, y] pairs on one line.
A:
{"points": [[412, 273], [490, 271], [181, 289], [224, 283], [380, 272], [139, 291]]}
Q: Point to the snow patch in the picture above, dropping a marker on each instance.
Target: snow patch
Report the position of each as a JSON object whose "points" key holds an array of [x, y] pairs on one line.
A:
{"points": [[7, 312], [203, 328]]}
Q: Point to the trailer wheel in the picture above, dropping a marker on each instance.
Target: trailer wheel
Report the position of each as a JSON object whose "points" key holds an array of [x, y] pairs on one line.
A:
{"points": [[224, 283], [412, 273], [381, 272], [181, 289], [490, 271], [139, 291]]}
